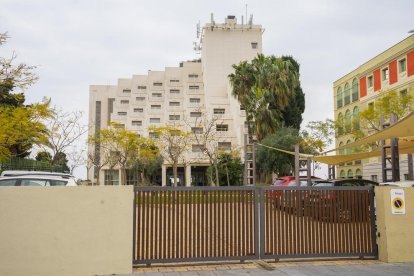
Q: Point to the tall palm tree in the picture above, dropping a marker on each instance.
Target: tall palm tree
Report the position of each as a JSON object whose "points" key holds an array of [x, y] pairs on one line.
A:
{"points": [[264, 87]]}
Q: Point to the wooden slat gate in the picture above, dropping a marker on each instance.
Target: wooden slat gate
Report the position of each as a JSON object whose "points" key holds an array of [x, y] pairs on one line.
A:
{"points": [[241, 223], [300, 222]]}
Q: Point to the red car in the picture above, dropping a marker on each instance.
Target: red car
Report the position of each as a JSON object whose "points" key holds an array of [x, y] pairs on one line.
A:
{"points": [[285, 180]]}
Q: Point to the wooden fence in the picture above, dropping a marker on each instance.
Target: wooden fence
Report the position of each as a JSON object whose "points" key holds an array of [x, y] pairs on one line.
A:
{"points": [[240, 223]]}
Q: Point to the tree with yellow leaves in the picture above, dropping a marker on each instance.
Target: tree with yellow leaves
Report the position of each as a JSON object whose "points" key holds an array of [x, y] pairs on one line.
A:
{"points": [[173, 144], [125, 147]]}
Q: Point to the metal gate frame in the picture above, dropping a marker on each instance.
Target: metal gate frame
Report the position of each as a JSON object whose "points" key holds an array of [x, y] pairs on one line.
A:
{"points": [[371, 199], [258, 220], [255, 213]]}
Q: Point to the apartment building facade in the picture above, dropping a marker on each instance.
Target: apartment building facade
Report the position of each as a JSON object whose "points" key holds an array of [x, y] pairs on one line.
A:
{"points": [[179, 96], [392, 70]]}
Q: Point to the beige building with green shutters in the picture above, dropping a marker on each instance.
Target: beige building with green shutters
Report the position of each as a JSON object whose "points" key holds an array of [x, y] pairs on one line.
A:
{"points": [[391, 70]]}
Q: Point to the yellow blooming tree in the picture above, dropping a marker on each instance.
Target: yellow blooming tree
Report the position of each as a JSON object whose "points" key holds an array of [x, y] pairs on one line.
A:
{"points": [[125, 147], [21, 124], [173, 144]]}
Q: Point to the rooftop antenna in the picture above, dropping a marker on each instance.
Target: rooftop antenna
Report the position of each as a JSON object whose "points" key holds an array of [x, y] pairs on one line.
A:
{"points": [[246, 12], [212, 19], [251, 20], [198, 29]]}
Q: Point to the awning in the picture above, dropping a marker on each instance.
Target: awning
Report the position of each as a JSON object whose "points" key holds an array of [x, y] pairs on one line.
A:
{"points": [[404, 147], [401, 129]]}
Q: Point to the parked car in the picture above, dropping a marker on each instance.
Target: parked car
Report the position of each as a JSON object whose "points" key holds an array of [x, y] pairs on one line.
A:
{"points": [[40, 173], [405, 183], [36, 180], [351, 182], [286, 180]]}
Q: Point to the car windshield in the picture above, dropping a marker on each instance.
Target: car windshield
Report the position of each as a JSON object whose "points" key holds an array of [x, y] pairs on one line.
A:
{"points": [[303, 183], [279, 181], [323, 184]]}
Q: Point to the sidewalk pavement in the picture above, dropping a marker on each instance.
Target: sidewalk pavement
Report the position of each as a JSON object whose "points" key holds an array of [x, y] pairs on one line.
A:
{"points": [[296, 268]]}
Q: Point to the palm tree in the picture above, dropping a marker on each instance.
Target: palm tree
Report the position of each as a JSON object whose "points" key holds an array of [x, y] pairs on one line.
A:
{"points": [[263, 87]]}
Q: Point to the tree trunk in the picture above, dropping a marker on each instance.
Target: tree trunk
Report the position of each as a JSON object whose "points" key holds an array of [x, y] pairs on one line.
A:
{"points": [[175, 174], [97, 177], [228, 179], [217, 174]]}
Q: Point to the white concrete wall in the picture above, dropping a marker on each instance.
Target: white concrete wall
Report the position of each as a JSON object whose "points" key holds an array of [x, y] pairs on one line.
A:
{"points": [[66, 230]]}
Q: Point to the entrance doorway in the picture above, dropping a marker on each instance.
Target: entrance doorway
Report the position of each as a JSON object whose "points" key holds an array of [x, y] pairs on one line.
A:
{"points": [[199, 176]]}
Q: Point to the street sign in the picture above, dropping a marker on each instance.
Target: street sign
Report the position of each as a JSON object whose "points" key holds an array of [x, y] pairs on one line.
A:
{"points": [[397, 202]]}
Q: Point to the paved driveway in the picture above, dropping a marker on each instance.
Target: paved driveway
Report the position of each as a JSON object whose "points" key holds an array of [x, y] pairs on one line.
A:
{"points": [[317, 268]]}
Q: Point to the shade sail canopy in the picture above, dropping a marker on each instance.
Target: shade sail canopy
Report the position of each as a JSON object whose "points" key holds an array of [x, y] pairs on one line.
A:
{"points": [[403, 128], [405, 146]]}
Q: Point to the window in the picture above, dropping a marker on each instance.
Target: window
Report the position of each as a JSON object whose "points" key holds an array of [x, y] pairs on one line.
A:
{"points": [[406, 177], [340, 145], [370, 81], [358, 174], [194, 100], [138, 110], [140, 99], [374, 178], [119, 126], [402, 65], [342, 174], [355, 92], [371, 105], [339, 97], [197, 148], [34, 182], [195, 114], [157, 95], [222, 127], [197, 130], [192, 76], [153, 135], [155, 120], [157, 84], [219, 110], [155, 107], [355, 115], [340, 124], [137, 123], [174, 91], [126, 91], [122, 113], [242, 108], [385, 74], [254, 45], [348, 121], [350, 174], [124, 102], [347, 93], [174, 103], [8, 182], [111, 177], [224, 145], [142, 87], [404, 98], [194, 87], [174, 117], [174, 80]]}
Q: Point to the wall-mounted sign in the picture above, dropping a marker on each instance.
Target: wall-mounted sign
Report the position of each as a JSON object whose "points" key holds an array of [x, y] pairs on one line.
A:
{"points": [[397, 202]]}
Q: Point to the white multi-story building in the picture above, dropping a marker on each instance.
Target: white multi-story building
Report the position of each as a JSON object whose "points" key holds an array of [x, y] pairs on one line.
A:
{"points": [[196, 88]]}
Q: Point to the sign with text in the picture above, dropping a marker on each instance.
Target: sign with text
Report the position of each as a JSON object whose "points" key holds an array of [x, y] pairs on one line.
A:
{"points": [[397, 202]]}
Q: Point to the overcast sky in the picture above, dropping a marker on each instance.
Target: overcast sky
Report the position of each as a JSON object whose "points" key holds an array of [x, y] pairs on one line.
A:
{"points": [[79, 43]]}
